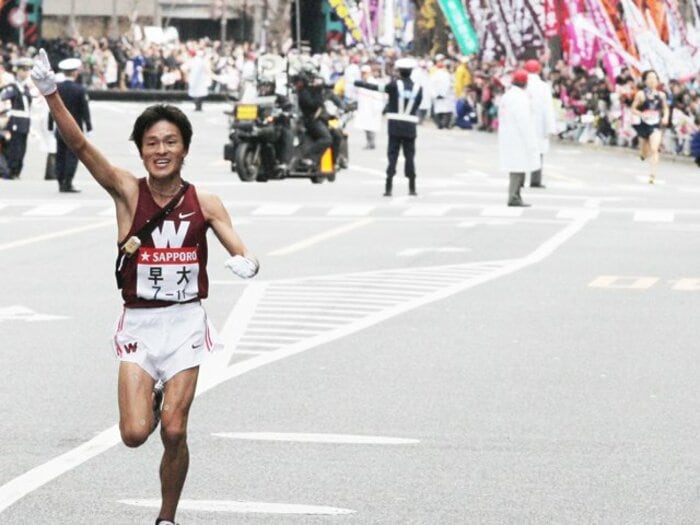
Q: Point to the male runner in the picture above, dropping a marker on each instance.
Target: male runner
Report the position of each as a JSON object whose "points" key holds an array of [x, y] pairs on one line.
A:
{"points": [[163, 333]]}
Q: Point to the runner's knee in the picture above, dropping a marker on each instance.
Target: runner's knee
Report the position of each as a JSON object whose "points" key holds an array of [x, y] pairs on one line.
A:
{"points": [[134, 435], [173, 431]]}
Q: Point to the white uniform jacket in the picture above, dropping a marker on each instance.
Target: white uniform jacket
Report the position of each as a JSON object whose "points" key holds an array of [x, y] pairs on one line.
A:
{"points": [[542, 110], [518, 151]]}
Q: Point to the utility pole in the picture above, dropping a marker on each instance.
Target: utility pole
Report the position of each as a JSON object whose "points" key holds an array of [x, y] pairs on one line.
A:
{"points": [[298, 24], [224, 13], [71, 21]]}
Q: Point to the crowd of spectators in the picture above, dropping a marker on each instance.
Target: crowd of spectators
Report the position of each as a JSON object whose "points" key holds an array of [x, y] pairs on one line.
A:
{"points": [[590, 107]]}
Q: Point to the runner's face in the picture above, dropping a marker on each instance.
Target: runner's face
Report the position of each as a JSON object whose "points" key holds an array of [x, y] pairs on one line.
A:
{"points": [[163, 150], [652, 80]]}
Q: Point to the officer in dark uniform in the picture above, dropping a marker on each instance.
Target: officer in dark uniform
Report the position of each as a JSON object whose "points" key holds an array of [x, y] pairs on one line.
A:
{"points": [[75, 98], [309, 89], [402, 115], [20, 98]]}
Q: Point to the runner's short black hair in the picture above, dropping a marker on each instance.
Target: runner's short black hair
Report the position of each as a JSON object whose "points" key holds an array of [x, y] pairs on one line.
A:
{"points": [[648, 72], [156, 113]]}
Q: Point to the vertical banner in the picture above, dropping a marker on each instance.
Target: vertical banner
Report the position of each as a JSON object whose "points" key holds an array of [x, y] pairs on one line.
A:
{"points": [[342, 10], [551, 18], [461, 27]]}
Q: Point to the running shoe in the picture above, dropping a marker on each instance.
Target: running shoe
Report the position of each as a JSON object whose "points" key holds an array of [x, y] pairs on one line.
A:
{"points": [[652, 179]]}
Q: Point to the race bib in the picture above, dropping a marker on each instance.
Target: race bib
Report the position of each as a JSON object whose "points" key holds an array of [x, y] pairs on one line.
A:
{"points": [[651, 116], [167, 274]]}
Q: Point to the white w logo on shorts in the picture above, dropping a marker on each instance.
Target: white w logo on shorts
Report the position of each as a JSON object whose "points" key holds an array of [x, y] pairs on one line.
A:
{"points": [[168, 237]]}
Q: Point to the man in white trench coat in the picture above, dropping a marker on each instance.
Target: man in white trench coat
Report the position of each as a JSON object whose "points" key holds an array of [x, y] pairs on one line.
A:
{"points": [[517, 145], [543, 113]]}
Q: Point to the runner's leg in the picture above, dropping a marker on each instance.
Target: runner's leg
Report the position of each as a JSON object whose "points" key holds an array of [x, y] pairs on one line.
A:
{"points": [[179, 393], [135, 393], [654, 144]]}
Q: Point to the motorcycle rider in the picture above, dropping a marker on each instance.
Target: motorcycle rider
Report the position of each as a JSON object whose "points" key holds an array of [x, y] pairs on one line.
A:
{"points": [[309, 89]]}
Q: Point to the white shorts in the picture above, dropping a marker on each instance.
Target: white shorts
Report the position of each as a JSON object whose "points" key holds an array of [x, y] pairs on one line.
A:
{"points": [[164, 341]]}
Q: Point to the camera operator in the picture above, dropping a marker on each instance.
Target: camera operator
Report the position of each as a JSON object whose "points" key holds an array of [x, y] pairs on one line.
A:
{"points": [[284, 145], [309, 89]]}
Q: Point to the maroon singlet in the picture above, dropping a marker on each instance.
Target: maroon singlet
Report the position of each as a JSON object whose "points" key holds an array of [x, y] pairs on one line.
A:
{"points": [[171, 264]]}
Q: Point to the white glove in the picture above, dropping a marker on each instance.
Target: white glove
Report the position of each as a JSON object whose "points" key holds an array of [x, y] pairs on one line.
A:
{"points": [[243, 267], [43, 75]]}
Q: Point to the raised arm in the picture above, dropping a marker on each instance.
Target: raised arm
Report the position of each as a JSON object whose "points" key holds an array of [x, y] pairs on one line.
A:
{"points": [[119, 183]]}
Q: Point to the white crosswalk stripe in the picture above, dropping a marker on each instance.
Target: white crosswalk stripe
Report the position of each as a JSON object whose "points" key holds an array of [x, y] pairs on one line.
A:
{"points": [[297, 310], [53, 209], [653, 216]]}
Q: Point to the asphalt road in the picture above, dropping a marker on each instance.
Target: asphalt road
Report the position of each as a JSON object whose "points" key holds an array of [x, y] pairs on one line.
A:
{"points": [[440, 359]]}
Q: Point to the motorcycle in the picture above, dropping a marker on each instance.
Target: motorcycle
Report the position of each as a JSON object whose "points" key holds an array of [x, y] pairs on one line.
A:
{"points": [[256, 147]]}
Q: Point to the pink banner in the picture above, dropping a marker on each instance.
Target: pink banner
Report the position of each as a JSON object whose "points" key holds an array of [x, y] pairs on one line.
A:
{"points": [[582, 47]]}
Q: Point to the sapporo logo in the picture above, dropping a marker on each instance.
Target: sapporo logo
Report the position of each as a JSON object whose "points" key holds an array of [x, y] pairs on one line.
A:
{"points": [[131, 347]]}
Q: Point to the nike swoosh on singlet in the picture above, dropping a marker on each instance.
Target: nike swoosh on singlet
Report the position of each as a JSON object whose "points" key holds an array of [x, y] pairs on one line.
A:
{"points": [[185, 215]]}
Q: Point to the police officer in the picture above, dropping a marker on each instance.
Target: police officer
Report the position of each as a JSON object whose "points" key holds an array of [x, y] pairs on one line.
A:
{"points": [[75, 98], [405, 97], [17, 92]]}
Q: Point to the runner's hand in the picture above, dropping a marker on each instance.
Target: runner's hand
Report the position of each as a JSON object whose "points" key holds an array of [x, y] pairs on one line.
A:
{"points": [[43, 75], [243, 267]]}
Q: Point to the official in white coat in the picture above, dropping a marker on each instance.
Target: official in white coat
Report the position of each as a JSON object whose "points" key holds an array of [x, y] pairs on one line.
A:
{"points": [[441, 90], [370, 104], [542, 102], [198, 79], [518, 149]]}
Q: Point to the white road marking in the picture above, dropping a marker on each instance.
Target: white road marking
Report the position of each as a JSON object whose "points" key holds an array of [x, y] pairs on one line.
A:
{"points": [[350, 210], [242, 507], [686, 284], [277, 209], [217, 368], [55, 235], [502, 211], [53, 209], [466, 224], [412, 252], [623, 282], [427, 210], [315, 239], [371, 171], [653, 216], [349, 439], [22, 313]]}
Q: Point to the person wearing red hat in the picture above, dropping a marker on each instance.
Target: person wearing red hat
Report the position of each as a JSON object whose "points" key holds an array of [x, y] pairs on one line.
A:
{"points": [[543, 114], [517, 147]]}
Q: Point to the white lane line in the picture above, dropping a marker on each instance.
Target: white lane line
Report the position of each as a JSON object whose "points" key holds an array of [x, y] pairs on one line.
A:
{"points": [[349, 439], [323, 236], [501, 211], [242, 507], [217, 368], [350, 210], [276, 209], [653, 216], [53, 209], [55, 235]]}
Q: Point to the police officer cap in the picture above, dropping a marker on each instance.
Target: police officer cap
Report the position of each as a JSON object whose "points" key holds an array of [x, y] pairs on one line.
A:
{"points": [[69, 64], [24, 63], [406, 63]]}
